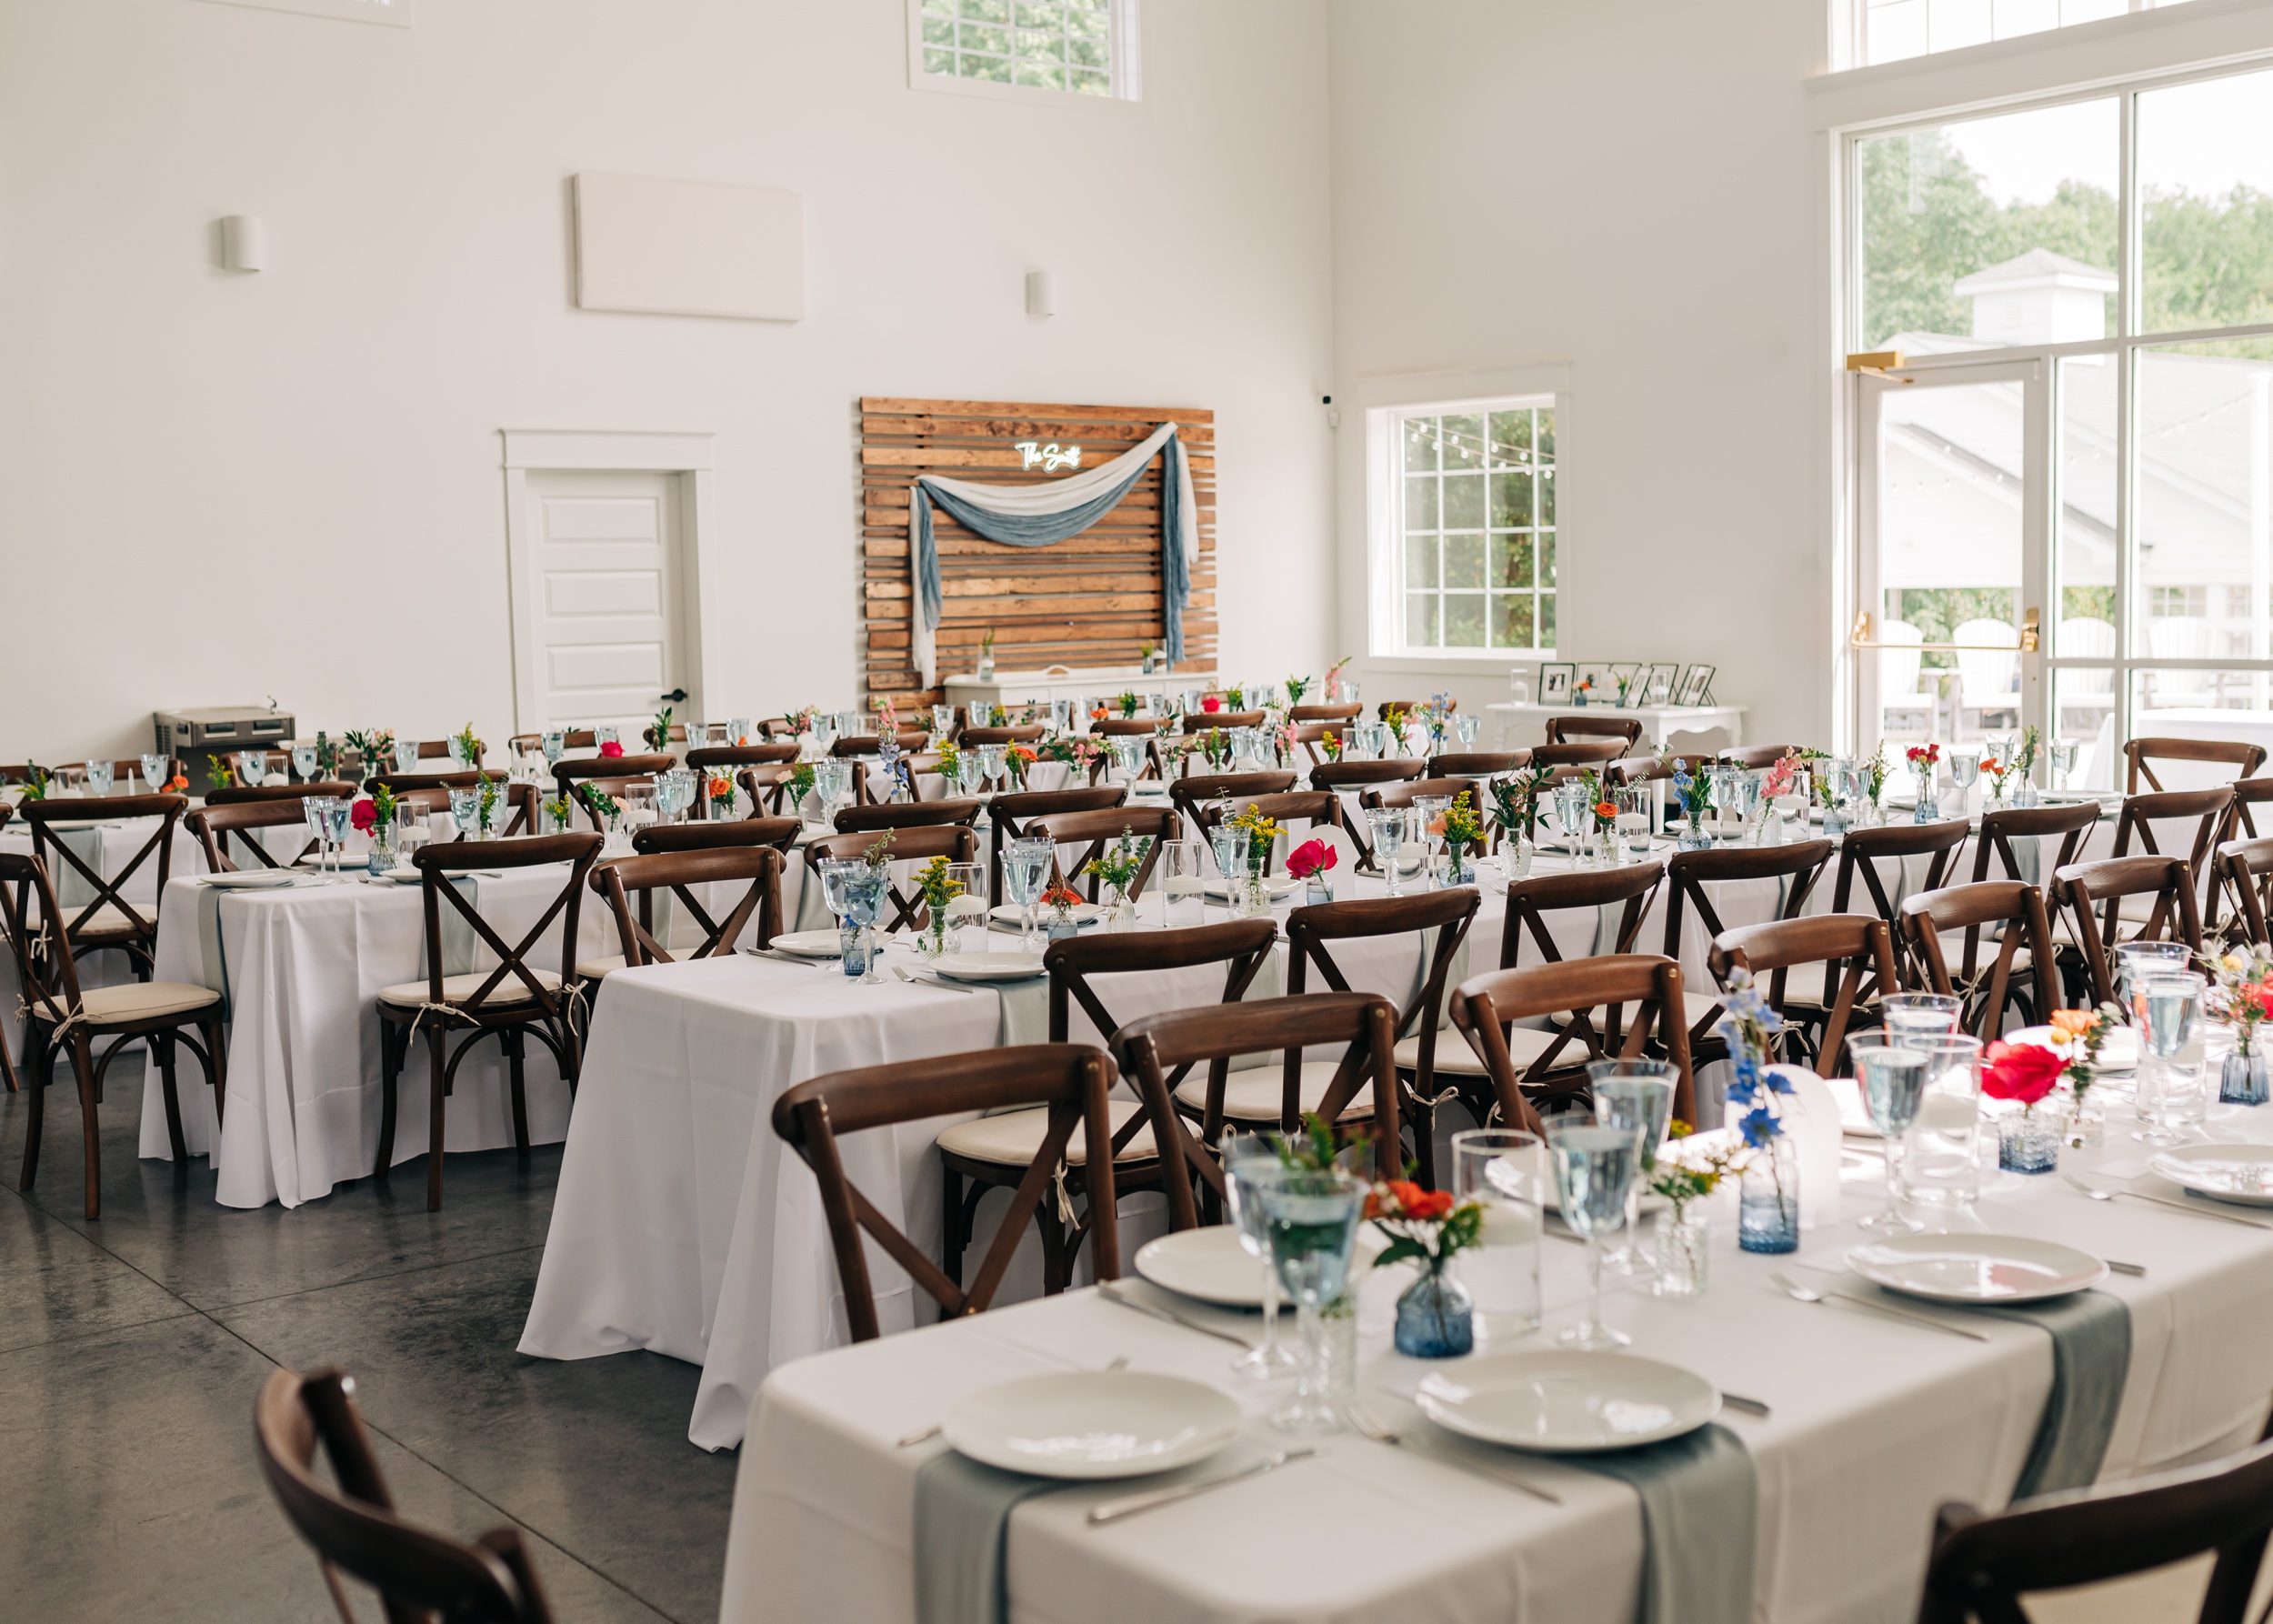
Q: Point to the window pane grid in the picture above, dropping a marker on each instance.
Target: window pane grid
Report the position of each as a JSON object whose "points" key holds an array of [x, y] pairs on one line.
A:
{"points": [[1046, 45], [1477, 528]]}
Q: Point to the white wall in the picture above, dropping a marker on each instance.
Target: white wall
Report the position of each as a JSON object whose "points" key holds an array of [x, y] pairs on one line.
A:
{"points": [[218, 486]]}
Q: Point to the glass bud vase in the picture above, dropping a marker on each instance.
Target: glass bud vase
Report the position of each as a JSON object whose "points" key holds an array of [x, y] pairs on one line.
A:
{"points": [[2246, 1079], [383, 850], [2029, 1141], [932, 940], [1120, 913], [1518, 859], [1682, 1234], [1767, 1209], [1458, 870], [1435, 1319]]}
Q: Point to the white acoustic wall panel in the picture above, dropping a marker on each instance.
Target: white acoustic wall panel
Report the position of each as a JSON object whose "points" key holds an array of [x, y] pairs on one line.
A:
{"points": [[398, 14], [677, 248]]}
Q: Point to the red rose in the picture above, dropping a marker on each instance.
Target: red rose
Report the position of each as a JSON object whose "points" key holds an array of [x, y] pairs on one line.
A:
{"points": [[610, 750], [2024, 1072], [362, 814], [1209, 702], [1312, 856]]}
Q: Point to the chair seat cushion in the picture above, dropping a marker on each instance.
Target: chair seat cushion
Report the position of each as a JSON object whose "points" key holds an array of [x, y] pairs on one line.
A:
{"points": [[143, 1000], [1985, 948], [106, 920], [596, 969], [1696, 1006], [1256, 1095], [1012, 1138], [1524, 1045], [457, 990]]}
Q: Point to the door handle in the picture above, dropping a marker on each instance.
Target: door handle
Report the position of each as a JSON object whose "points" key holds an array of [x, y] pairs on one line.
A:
{"points": [[677, 695]]}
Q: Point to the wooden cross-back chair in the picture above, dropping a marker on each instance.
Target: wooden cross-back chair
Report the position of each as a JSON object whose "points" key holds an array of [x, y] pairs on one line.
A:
{"points": [[2245, 875], [1188, 795], [1349, 712], [1303, 1084], [1102, 729], [1551, 1061], [955, 842], [970, 738], [2209, 808], [1752, 757], [875, 819], [1860, 853], [1485, 1008], [1981, 1564], [1570, 729], [2000, 828], [1203, 721], [1642, 769], [1316, 808], [1688, 874], [1342, 777], [1853, 948], [406, 783], [1475, 764], [515, 1001], [996, 1152], [1158, 1051], [2250, 796], [1008, 815], [354, 1529], [779, 833], [567, 775], [1066, 1086], [212, 826], [2022, 969], [2169, 915], [1309, 737], [106, 921], [1103, 828], [618, 883], [1579, 752], [729, 761], [768, 789], [2140, 754], [58, 1013], [241, 795]]}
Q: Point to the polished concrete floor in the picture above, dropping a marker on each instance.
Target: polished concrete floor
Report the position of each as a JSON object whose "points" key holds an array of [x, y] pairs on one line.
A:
{"points": [[131, 1348]]}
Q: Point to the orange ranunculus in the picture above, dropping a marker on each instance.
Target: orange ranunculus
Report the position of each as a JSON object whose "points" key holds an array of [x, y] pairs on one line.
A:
{"points": [[1433, 1205], [2069, 1024], [1405, 1192], [721, 789], [1606, 809], [1988, 766]]}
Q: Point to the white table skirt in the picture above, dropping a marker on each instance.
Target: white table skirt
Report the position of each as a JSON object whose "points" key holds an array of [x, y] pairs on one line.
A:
{"points": [[1875, 1424]]}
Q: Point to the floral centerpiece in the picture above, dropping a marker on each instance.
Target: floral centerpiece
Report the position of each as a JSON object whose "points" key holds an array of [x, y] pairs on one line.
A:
{"points": [[1460, 828], [1394, 718], [1148, 655], [1333, 679], [1129, 704], [1875, 783], [559, 809], [2026, 1074], [1694, 790], [1330, 741], [1076, 750], [939, 890], [1924, 760], [1436, 1317], [605, 807], [375, 746], [1261, 832], [2241, 997], [1061, 899], [468, 748], [657, 732], [987, 655], [1625, 686], [374, 815], [1767, 1213], [1016, 759], [1310, 863], [1116, 869], [1297, 686], [801, 778], [1213, 746], [1582, 692], [720, 789], [1237, 698], [1516, 807], [1680, 1178], [2025, 765], [218, 773], [1997, 773]]}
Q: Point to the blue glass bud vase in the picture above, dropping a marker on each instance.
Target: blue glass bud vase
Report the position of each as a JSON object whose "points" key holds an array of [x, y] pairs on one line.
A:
{"points": [[1768, 1208], [2246, 1079], [2029, 1141], [1435, 1319]]}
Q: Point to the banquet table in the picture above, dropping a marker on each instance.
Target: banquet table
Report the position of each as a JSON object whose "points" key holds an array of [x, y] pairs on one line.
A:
{"points": [[1873, 1424], [683, 1226]]}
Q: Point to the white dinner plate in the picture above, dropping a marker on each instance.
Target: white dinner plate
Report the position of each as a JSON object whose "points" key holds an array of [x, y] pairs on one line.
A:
{"points": [[810, 943], [1084, 913], [1092, 1424], [988, 967], [2119, 1053], [1976, 1269], [1567, 1403], [251, 880], [2240, 1173], [1208, 1265]]}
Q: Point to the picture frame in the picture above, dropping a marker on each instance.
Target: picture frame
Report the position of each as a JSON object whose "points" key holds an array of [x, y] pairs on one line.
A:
{"points": [[1556, 681], [1595, 673], [1697, 685], [1664, 678]]}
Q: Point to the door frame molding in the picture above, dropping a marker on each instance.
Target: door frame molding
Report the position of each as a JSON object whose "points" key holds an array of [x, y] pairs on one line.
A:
{"points": [[687, 455]]}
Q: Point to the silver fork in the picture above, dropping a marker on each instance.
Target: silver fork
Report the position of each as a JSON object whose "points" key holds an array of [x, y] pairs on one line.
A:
{"points": [[925, 1434], [2097, 1194], [1367, 1423], [1808, 1294]]}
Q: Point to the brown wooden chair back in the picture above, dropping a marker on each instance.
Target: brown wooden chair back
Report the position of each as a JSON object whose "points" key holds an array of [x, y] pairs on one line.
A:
{"points": [[1861, 852], [1982, 1563], [1310, 737], [1484, 1006], [970, 738], [2139, 755], [1312, 807], [1190, 793], [2017, 911], [567, 775], [1009, 814], [403, 783], [1203, 721], [711, 758], [212, 826], [1579, 752], [1128, 726], [907, 815], [1072, 1080], [1158, 1052], [354, 1529], [1642, 769], [239, 795], [1475, 764], [2001, 829], [141, 934], [1856, 951], [1564, 730], [2174, 917], [768, 789], [439, 863], [780, 833], [1796, 866], [1754, 756], [1103, 828], [618, 882], [1325, 712], [2208, 807], [2250, 795], [956, 842], [2245, 873]]}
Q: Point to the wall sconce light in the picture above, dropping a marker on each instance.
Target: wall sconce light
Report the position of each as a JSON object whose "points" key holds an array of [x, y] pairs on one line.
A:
{"points": [[244, 244], [1041, 294]]}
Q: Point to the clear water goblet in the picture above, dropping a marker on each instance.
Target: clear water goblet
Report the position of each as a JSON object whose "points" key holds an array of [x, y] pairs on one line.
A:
{"points": [[465, 811], [2169, 1010], [1129, 758], [863, 906], [1183, 869], [1921, 1014], [158, 772], [994, 760], [1387, 825], [99, 776], [252, 766], [303, 761], [315, 809], [1891, 1073], [1230, 844], [967, 907], [1312, 1222], [1251, 1165], [2063, 760], [1025, 871], [1965, 766], [1425, 810], [1595, 1164], [1465, 730], [1637, 1093], [406, 755]]}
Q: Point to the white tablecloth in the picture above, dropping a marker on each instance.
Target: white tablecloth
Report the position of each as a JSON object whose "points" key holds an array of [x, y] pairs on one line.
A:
{"points": [[1874, 1425]]}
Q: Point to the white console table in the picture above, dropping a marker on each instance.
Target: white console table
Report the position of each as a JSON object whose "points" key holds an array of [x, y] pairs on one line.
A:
{"points": [[1522, 726], [1013, 689]]}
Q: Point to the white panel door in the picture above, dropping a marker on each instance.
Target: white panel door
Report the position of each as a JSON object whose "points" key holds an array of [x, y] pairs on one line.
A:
{"points": [[608, 640]]}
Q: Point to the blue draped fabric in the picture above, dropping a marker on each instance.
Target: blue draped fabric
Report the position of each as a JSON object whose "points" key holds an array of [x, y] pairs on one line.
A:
{"points": [[1042, 530]]}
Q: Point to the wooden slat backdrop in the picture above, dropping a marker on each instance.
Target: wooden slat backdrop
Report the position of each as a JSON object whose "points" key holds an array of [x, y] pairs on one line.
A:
{"points": [[1093, 599]]}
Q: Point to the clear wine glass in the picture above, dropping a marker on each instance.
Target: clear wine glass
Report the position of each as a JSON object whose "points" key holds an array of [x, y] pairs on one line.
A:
{"points": [[1312, 1220], [1025, 866], [864, 905], [252, 766], [942, 723], [99, 776], [994, 761], [337, 810], [554, 744], [319, 826], [1183, 874], [1636, 1094], [1251, 1165], [1964, 767], [1890, 1070], [406, 755], [303, 761], [2063, 759], [1425, 810], [1387, 825], [1594, 1165], [158, 772]]}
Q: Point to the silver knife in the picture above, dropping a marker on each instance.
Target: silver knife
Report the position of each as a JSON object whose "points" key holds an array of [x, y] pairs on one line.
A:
{"points": [[1917, 1318], [1114, 1511], [901, 971], [1107, 1291], [1751, 1407], [776, 953]]}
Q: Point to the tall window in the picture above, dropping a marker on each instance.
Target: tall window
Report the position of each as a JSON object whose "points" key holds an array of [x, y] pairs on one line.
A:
{"points": [[1476, 526], [1889, 30], [2109, 260], [1079, 46]]}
